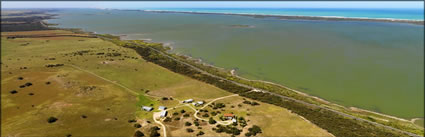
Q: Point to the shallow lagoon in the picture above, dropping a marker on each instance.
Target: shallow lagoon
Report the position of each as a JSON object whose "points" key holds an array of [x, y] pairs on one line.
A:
{"points": [[375, 66]]}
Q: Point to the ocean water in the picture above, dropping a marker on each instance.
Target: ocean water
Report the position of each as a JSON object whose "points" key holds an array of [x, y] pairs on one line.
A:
{"points": [[371, 65], [409, 14]]}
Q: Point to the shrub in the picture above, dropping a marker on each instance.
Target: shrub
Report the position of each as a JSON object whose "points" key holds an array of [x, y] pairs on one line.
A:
{"points": [[254, 130], [182, 111], [167, 119], [138, 134], [189, 130], [212, 121], [200, 133], [187, 124], [154, 132], [137, 125], [13, 92], [205, 115], [186, 115], [196, 123], [52, 119]]}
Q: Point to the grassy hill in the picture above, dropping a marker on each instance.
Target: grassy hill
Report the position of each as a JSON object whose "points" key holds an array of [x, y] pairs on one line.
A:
{"points": [[101, 86]]}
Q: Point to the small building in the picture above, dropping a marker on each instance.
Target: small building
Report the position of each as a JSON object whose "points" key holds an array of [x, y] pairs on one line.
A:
{"points": [[200, 102], [234, 120], [228, 116], [146, 108], [162, 108], [188, 101], [163, 113]]}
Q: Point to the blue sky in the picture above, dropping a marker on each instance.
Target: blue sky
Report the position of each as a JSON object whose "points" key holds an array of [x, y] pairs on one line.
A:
{"points": [[214, 4]]}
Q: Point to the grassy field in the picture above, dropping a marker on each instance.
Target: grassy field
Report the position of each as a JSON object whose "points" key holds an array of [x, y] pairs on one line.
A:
{"points": [[101, 86]]}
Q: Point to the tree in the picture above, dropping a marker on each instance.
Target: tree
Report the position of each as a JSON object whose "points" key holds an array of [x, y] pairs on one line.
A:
{"points": [[254, 130], [187, 124], [167, 119], [254, 103], [189, 130], [52, 119], [138, 134], [137, 125], [212, 121], [182, 111], [205, 115], [196, 123], [154, 132], [200, 133]]}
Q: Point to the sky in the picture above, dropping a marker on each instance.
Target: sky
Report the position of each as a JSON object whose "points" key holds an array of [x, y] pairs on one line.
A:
{"points": [[213, 4]]}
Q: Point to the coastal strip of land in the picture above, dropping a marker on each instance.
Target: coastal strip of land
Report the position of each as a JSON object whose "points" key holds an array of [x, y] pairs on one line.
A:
{"points": [[296, 17]]}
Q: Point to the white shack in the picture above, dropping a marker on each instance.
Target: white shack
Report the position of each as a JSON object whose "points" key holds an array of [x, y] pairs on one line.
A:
{"points": [[146, 108], [200, 102], [188, 101], [164, 113], [162, 108]]}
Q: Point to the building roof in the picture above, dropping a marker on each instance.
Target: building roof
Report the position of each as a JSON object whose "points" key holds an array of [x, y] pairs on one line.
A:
{"points": [[163, 113], [228, 115], [147, 108], [188, 100], [162, 107]]}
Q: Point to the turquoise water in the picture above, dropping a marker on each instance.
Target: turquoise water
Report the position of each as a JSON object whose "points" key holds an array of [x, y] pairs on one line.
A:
{"points": [[370, 65], [410, 14]]}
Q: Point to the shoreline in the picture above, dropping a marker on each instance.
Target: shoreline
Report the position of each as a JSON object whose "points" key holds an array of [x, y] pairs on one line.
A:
{"points": [[296, 17], [233, 72]]}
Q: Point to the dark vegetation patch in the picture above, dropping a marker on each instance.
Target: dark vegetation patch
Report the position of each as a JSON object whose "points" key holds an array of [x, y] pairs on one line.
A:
{"points": [[53, 65], [253, 131], [13, 92], [27, 21], [138, 134], [190, 130], [253, 103], [228, 129], [137, 125], [154, 132], [51, 119]]}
